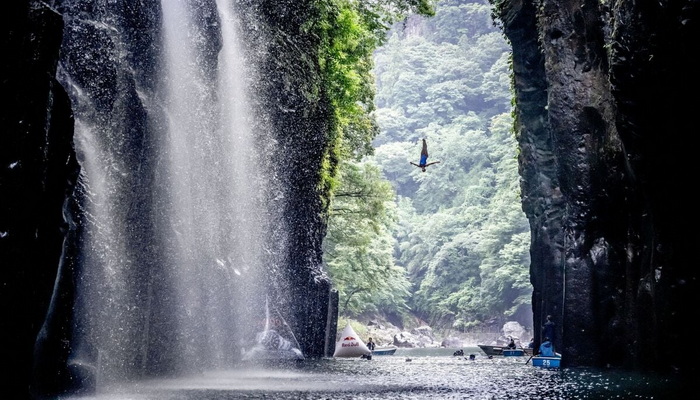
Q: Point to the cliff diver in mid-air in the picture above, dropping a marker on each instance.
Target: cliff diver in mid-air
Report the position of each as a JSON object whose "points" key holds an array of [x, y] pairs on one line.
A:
{"points": [[424, 158]]}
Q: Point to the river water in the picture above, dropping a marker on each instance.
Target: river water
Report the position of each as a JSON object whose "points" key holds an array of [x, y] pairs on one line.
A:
{"points": [[408, 374]]}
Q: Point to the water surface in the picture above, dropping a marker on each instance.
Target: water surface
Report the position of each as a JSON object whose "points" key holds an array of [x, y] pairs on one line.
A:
{"points": [[409, 374]]}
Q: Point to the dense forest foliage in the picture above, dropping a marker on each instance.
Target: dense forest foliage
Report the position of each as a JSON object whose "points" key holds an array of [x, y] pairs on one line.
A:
{"points": [[449, 245]]}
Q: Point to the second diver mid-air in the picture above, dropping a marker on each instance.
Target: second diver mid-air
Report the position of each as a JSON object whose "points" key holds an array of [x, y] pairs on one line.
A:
{"points": [[424, 158]]}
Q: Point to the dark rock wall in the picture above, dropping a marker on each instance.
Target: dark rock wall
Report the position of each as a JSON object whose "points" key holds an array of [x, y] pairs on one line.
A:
{"points": [[604, 106], [38, 171]]}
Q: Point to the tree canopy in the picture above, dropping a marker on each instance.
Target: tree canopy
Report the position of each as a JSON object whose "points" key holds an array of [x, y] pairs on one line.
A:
{"points": [[449, 245]]}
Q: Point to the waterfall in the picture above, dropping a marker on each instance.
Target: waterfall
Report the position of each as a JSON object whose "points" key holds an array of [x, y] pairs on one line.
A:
{"points": [[174, 187], [212, 214]]}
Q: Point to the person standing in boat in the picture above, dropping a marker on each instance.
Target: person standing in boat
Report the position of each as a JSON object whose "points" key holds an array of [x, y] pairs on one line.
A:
{"points": [[548, 330], [370, 344]]}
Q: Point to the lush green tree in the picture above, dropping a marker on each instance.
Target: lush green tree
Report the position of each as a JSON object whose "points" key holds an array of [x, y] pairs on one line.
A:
{"points": [[358, 248], [451, 243], [359, 245], [458, 19], [465, 243]]}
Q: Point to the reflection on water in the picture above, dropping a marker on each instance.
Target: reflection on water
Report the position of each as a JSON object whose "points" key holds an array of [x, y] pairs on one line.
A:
{"points": [[430, 374]]}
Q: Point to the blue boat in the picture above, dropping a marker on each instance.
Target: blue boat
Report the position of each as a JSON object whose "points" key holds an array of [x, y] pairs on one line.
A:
{"points": [[546, 362], [513, 352]]}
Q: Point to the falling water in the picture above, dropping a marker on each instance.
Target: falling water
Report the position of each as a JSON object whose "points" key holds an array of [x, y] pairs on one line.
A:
{"points": [[174, 245], [211, 165]]}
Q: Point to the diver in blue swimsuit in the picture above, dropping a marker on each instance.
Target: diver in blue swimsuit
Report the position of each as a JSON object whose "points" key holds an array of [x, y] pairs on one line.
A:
{"points": [[424, 158]]}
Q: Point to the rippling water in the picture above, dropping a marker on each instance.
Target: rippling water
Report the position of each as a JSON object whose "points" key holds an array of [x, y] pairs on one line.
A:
{"points": [[409, 374]]}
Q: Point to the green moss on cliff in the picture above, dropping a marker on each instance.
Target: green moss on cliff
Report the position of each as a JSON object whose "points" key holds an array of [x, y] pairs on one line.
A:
{"points": [[349, 32]]}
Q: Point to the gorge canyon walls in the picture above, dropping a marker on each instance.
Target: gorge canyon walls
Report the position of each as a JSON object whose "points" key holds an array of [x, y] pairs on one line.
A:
{"points": [[605, 111], [605, 119]]}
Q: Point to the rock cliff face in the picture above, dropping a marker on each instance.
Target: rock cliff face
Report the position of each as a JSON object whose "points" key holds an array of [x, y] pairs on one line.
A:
{"points": [[38, 170], [605, 105]]}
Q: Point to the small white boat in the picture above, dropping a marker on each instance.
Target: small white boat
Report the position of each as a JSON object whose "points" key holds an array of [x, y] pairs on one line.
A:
{"points": [[494, 350], [274, 342], [384, 351]]}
